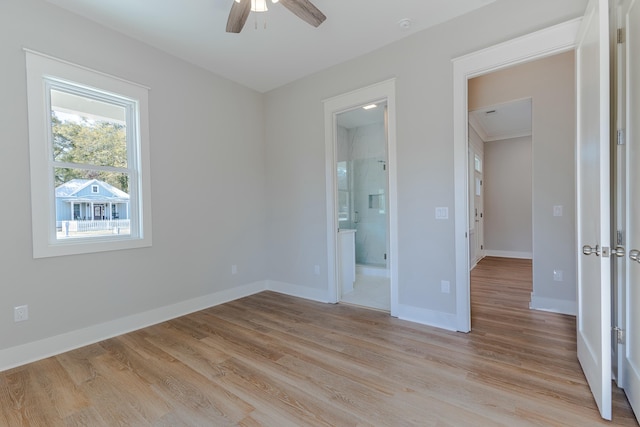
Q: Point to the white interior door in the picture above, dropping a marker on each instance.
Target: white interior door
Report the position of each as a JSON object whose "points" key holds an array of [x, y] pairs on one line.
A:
{"points": [[478, 189], [472, 210], [619, 198], [631, 359], [593, 214], [476, 207]]}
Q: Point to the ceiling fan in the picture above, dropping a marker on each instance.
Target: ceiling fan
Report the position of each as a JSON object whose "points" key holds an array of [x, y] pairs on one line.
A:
{"points": [[303, 9]]}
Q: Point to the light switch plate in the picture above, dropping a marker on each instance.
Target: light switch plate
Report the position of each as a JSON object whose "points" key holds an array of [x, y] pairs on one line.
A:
{"points": [[445, 286], [557, 210], [442, 213]]}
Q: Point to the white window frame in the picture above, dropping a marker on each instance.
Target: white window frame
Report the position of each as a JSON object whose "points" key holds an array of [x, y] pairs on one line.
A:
{"points": [[40, 69]]}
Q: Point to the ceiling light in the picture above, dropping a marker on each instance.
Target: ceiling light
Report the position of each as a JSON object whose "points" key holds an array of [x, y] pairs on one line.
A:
{"points": [[369, 107], [259, 5]]}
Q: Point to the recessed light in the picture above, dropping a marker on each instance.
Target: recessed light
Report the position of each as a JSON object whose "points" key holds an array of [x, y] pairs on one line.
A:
{"points": [[369, 107]]}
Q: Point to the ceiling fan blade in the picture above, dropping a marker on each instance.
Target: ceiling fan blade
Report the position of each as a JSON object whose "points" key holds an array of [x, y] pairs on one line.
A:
{"points": [[305, 10], [238, 15]]}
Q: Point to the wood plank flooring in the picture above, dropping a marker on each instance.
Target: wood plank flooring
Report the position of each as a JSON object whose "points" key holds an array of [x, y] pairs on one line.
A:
{"points": [[275, 360]]}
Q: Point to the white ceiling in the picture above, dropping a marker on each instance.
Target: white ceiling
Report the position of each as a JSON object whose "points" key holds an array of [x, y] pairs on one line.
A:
{"points": [[288, 49], [503, 121]]}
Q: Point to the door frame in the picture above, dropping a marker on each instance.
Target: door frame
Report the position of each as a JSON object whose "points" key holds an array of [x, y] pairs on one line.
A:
{"points": [[384, 90], [631, 385], [547, 42], [619, 189]]}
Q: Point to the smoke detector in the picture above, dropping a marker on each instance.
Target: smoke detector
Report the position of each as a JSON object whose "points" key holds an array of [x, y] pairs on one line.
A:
{"points": [[404, 24]]}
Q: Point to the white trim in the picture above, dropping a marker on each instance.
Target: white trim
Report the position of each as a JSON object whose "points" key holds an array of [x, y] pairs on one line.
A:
{"points": [[299, 291], [437, 319], [30, 352], [509, 254], [333, 106], [43, 70], [550, 41], [553, 305]]}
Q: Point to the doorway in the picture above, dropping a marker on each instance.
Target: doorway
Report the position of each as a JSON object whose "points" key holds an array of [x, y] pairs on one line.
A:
{"points": [[500, 172], [542, 44], [362, 187], [355, 166]]}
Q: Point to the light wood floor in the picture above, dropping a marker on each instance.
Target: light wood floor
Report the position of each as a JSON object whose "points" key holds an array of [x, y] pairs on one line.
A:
{"points": [[275, 360]]}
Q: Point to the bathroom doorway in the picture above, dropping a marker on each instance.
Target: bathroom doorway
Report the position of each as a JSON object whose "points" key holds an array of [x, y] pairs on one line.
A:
{"points": [[361, 199], [362, 187]]}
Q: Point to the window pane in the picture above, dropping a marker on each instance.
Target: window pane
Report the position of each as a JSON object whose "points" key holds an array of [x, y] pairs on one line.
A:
{"points": [[87, 130], [478, 164], [90, 203]]}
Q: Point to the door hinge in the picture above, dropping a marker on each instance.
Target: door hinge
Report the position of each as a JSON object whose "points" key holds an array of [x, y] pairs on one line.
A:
{"points": [[620, 35], [619, 334], [482, 247], [619, 238], [620, 136], [385, 256]]}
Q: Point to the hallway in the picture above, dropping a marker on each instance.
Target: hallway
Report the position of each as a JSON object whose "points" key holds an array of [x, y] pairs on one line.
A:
{"points": [[541, 345]]}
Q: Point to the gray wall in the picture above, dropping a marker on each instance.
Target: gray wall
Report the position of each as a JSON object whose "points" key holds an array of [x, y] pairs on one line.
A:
{"points": [[248, 168], [207, 174], [422, 66], [507, 197], [550, 83]]}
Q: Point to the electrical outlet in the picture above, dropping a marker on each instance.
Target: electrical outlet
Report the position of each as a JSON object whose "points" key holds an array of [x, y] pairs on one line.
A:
{"points": [[234, 269], [557, 210], [316, 270], [445, 286], [20, 313]]}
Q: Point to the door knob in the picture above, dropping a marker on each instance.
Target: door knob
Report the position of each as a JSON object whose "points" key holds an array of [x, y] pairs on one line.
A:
{"points": [[618, 251], [588, 250], [634, 255]]}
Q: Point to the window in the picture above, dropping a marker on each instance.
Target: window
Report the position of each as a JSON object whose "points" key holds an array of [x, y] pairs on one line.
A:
{"points": [[477, 163], [89, 153]]}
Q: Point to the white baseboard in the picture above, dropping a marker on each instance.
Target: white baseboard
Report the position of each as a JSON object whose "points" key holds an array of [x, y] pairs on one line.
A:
{"points": [[51, 346], [553, 305], [427, 317], [509, 254], [305, 292], [30, 352]]}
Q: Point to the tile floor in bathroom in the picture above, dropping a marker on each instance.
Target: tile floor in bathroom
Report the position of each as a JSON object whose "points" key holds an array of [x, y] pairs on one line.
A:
{"points": [[370, 291]]}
